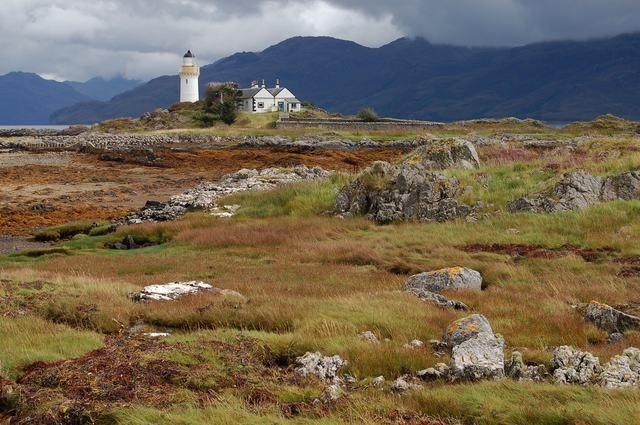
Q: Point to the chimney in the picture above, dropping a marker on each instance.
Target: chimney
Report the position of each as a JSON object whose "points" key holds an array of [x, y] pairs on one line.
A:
{"points": [[278, 83], [263, 84], [254, 84]]}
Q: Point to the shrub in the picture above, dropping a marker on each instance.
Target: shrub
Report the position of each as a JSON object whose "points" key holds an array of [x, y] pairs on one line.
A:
{"points": [[368, 115]]}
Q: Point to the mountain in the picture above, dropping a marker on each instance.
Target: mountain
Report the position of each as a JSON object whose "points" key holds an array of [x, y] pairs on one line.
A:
{"points": [[102, 89], [412, 78], [28, 99]]}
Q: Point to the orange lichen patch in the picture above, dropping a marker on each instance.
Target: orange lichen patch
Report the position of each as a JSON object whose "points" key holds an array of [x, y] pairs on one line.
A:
{"points": [[451, 271]]}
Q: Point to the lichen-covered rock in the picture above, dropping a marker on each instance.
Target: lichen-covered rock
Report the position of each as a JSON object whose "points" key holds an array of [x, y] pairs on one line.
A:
{"points": [[467, 328], [315, 364], [579, 190], [609, 318], [386, 193], [480, 357], [378, 381], [449, 278], [622, 371], [416, 344], [573, 366], [443, 154]]}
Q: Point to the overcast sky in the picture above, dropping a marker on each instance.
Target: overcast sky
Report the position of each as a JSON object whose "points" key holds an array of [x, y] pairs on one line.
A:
{"points": [[79, 39]]}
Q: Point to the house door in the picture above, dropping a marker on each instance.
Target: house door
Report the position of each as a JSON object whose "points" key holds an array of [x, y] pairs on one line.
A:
{"points": [[281, 107]]}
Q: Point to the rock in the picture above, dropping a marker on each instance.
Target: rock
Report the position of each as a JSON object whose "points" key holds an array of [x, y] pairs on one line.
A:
{"points": [[156, 334], [572, 366], [444, 154], [387, 193], [416, 344], [480, 357], [324, 367], [175, 290], [622, 371], [349, 379], [610, 319], [445, 279], [579, 190], [171, 291], [476, 351], [518, 370], [437, 299], [467, 328], [440, 371], [369, 337], [615, 337], [378, 382], [404, 384], [206, 195], [332, 393]]}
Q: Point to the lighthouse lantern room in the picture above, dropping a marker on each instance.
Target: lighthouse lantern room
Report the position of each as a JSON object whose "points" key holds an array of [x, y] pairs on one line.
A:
{"points": [[189, 76]]}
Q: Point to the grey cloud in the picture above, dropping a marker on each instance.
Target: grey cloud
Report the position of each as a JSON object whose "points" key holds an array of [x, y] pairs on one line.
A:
{"points": [[145, 38]]}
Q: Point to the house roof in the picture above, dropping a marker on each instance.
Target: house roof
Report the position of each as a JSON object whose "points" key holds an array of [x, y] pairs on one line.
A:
{"points": [[292, 100], [276, 91], [249, 93]]}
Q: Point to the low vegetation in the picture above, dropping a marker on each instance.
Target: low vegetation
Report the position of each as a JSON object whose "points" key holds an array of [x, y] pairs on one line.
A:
{"points": [[314, 282]]}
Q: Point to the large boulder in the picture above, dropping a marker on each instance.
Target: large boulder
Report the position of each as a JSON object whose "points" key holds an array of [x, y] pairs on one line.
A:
{"points": [[610, 319], [622, 371], [443, 154], [386, 193], [579, 190], [573, 366], [476, 351], [449, 278], [481, 357], [467, 328]]}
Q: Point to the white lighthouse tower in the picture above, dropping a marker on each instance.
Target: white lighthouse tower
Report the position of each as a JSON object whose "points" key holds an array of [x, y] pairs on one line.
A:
{"points": [[189, 75]]}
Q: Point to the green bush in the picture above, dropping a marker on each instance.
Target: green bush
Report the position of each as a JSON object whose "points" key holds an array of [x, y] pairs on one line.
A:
{"points": [[368, 115]]}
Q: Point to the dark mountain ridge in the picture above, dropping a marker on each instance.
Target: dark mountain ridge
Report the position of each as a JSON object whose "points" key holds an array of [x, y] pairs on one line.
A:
{"points": [[413, 78]]}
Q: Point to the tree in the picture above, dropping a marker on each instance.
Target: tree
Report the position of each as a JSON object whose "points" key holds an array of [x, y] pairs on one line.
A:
{"points": [[221, 99]]}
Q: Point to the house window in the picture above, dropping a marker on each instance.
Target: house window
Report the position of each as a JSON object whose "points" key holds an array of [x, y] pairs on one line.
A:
{"points": [[261, 105]]}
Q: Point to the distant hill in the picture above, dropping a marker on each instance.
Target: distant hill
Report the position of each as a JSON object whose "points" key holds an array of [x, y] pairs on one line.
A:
{"points": [[28, 99], [104, 89], [412, 78]]}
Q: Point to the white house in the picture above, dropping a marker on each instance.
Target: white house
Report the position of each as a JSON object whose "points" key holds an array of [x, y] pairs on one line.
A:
{"points": [[259, 99]]}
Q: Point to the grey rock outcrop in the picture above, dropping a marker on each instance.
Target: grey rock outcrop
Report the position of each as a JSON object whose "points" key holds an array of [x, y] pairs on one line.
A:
{"points": [[387, 193], [516, 369], [573, 366], [579, 190], [443, 154], [323, 367], [610, 319], [476, 351], [206, 195], [622, 371]]}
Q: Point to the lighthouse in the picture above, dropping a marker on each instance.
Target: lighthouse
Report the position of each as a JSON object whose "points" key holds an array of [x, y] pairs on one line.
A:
{"points": [[189, 75]]}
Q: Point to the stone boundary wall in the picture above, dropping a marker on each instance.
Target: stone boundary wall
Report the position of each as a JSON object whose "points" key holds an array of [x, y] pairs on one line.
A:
{"points": [[332, 124]]}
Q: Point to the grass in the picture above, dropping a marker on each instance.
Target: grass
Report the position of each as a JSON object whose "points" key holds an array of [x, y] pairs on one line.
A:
{"points": [[313, 282], [26, 340]]}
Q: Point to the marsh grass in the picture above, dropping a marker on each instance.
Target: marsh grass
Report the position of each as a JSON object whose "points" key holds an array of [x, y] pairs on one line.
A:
{"points": [[26, 340]]}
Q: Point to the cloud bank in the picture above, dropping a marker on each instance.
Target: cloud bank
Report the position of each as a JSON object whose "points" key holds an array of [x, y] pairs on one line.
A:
{"points": [[78, 39]]}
